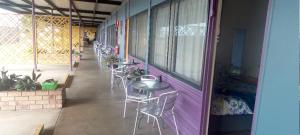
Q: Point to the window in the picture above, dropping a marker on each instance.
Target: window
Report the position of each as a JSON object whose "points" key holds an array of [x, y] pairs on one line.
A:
{"points": [[190, 38], [138, 35], [160, 35], [178, 32], [111, 35]]}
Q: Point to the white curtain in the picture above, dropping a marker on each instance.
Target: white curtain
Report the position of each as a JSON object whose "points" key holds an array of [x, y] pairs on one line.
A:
{"points": [[138, 35], [141, 24], [160, 33], [191, 30], [132, 36]]}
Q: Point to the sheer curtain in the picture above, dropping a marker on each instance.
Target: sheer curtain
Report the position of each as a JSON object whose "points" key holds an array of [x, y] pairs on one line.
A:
{"points": [[132, 36], [138, 35], [159, 34], [190, 34], [141, 24]]}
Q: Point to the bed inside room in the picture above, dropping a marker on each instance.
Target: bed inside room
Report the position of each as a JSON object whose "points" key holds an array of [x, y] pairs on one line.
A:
{"points": [[237, 64]]}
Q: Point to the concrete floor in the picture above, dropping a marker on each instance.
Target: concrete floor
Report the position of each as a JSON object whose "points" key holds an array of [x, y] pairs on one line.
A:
{"points": [[25, 122], [94, 109]]}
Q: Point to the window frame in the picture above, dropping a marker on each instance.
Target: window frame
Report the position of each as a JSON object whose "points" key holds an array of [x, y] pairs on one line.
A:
{"points": [[172, 47]]}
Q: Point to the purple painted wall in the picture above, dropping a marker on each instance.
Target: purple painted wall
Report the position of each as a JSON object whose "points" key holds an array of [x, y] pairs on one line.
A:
{"points": [[188, 106]]}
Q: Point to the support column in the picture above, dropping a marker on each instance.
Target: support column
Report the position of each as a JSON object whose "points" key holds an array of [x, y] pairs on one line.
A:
{"points": [[34, 47], [79, 40], [70, 17], [148, 36], [105, 27], [277, 100]]}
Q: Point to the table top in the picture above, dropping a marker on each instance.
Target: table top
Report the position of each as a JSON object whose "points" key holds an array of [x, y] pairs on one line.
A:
{"points": [[129, 63], [149, 85]]}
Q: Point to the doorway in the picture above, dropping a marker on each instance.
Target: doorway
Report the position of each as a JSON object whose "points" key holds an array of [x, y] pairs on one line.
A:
{"points": [[237, 65]]}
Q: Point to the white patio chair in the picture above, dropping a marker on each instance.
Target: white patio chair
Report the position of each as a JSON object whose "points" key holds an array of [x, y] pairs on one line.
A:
{"points": [[118, 73], [132, 96], [156, 108]]}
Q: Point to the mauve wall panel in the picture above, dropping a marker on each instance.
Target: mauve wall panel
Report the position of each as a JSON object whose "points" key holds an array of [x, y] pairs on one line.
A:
{"points": [[188, 105]]}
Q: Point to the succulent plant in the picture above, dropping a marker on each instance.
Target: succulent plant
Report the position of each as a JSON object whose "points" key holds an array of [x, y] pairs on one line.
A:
{"points": [[8, 82], [27, 83]]}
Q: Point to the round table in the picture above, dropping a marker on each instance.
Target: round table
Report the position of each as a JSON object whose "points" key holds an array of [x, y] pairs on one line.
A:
{"points": [[129, 63], [149, 86]]}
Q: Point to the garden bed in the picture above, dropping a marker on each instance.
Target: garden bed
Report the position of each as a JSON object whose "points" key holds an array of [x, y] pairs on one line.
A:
{"points": [[30, 100]]}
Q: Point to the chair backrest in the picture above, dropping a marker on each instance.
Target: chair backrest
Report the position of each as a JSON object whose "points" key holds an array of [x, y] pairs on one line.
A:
{"points": [[167, 101]]}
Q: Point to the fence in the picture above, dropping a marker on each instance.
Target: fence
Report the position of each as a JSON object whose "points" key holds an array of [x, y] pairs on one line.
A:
{"points": [[52, 39]]}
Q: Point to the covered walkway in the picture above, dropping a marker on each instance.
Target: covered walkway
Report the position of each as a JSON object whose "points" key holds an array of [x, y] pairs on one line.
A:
{"points": [[93, 109]]}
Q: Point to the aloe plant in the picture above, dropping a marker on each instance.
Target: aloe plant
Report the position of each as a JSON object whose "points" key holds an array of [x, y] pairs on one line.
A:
{"points": [[27, 83], [7, 82]]}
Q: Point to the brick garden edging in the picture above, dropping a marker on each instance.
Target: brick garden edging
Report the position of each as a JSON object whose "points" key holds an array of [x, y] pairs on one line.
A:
{"points": [[30, 100]]}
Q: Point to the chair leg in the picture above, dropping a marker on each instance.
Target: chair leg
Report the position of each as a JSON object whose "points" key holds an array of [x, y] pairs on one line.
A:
{"points": [[177, 133], [158, 125], [148, 119], [125, 105], [112, 80], [140, 119], [153, 124], [136, 119], [162, 122]]}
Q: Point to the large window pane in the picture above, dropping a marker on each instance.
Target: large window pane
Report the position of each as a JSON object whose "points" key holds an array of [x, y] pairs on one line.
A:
{"points": [[132, 36], [141, 23], [191, 33], [160, 35], [138, 35]]}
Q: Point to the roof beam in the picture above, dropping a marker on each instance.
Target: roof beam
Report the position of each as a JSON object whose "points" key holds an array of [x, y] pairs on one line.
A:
{"points": [[23, 12], [84, 25], [90, 17], [60, 10], [86, 21], [95, 8], [103, 2], [11, 9], [55, 7], [74, 6], [24, 6], [86, 11], [14, 4], [38, 7]]}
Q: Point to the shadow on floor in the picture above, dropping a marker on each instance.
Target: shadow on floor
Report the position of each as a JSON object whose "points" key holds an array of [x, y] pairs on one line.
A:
{"points": [[48, 131]]}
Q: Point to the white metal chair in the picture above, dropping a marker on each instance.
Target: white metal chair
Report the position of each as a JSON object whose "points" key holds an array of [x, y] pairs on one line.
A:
{"points": [[132, 96], [118, 73], [156, 107]]}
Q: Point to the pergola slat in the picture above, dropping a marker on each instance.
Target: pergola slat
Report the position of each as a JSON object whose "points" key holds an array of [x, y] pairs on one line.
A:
{"points": [[60, 10], [103, 2], [38, 7], [55, 7], [12, 9], [74, 6], [13, 4]]}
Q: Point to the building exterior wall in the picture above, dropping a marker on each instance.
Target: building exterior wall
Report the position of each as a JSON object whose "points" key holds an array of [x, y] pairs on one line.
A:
{"points": [[188, 106], [276, 97], [276, 111]]}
